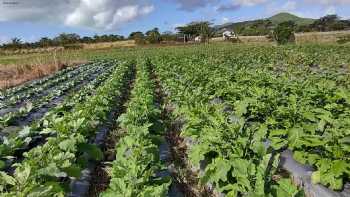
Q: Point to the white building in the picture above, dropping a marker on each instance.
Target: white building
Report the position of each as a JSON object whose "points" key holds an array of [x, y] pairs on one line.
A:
{"points": [[198, 39], [227, 35]]}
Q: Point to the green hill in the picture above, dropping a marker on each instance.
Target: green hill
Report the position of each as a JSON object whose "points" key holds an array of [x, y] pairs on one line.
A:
{"points": [[262, 26], [283, 17]]}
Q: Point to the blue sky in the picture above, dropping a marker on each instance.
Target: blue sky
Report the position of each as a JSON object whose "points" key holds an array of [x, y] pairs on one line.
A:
{"points": [[33, 19]]}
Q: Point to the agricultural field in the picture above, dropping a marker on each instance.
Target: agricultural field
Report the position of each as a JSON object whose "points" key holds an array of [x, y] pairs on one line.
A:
{"points": [[202, 120]]}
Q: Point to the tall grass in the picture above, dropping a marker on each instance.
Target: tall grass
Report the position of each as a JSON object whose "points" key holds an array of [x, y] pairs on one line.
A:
{"points": [[18, 69]]}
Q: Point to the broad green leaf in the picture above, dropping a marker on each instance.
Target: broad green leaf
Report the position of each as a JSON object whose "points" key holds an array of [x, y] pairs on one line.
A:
{"points": [[339, 167], [73, 171], [2, 164], [217, 170], [67, 145], [278, 143], [231, 189], [294, 137], [24, 132], [316, 177], [92, 150], [7, 180], [22, 175], [278, 132], [241, 107], [287, 189]]}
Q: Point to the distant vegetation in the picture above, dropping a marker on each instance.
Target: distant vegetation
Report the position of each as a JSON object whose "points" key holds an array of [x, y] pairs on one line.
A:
{"points": [[344, 39], [265, 26], [62, 40], [202, 29], [152, 36], [284, 32]]}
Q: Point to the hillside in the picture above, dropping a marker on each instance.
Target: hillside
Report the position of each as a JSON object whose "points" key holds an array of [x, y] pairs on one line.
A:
{"points": [[283, 17], [262, 26]]}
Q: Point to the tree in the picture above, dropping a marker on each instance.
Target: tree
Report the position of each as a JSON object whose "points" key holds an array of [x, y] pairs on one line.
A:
{"points": [[202, 28], [16, 43], [284, 32], [64, 39], [205, 31], [153, 36], [87, 39], [45, 42], [189, 29], [168, 36], [329, 23], [138, 36]]}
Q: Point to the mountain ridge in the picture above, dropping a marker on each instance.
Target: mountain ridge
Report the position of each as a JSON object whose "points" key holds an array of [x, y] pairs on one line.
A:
{"points": [[265, 22], [285, 16]]}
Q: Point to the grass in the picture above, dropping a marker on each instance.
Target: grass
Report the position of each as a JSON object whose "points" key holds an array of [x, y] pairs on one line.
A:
{"points": [[104, 45], [301, 38], [17, 69], [320, 37], [14, 75]]}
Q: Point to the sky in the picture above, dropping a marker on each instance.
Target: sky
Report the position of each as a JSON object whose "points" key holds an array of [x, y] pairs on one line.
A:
{"points": [[32, 19]]}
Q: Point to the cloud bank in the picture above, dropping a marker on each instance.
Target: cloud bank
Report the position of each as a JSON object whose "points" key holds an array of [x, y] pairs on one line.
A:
{"points": [[94, 14], [329, 2], [237, 4]]}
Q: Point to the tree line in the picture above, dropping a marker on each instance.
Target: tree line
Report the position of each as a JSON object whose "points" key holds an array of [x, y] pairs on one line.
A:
{"points": [[284, 32], [63, 40], [326, 23], [185, 33], [153, 36]]}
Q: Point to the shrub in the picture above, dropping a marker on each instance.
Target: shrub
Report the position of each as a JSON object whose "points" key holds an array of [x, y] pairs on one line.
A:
{"points": [[73, 46], [284, 32], [343, 39], [153, 36]]}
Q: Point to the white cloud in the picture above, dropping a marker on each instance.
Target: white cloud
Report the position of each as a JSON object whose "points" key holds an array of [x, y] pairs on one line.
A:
{"points": [[249, 2], [289, 6], [95, 14], [4, 39], [237, 4], [30, 39], [331, 10], [329, 2], [274, 8], [225, 20], [190, 5], [228, 7]]}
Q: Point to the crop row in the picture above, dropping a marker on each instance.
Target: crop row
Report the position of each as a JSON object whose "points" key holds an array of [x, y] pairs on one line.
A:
{"points": [[37, 91], [47, 169], [74, 83], [133, 173], [25, 137]]}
